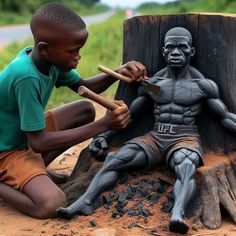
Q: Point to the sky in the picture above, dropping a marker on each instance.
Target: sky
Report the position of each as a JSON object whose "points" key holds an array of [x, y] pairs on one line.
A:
{"points": [[130, 3]]}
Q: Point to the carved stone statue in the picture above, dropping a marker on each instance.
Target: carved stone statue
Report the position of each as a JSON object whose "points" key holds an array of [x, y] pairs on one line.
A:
{"points": [[174, 139]]}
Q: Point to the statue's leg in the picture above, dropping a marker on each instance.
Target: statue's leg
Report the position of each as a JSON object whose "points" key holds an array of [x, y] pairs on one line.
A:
{"points": [[129, 156], [184, 162]]}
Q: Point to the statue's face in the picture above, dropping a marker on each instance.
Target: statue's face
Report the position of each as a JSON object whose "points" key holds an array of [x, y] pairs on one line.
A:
{"points": [[177, 51]]}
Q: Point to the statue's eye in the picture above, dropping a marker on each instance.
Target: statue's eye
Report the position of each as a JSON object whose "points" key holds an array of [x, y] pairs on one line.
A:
{"points": [[184, 46], [168, 46]]}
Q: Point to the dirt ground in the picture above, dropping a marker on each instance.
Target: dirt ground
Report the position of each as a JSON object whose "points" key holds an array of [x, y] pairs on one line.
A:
{"points": [[13, 223]]}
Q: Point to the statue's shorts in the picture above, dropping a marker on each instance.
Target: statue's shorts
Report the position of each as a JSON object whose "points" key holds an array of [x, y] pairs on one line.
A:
{"points": [[160, 143], [17, 167]]}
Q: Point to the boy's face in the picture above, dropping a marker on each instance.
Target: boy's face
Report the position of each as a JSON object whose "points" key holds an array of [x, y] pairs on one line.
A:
{"points": [[64, 52]]}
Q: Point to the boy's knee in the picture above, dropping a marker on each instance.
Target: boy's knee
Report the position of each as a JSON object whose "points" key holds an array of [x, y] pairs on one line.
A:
{"points": [[48, 207], [86, 107], [89, 109]]}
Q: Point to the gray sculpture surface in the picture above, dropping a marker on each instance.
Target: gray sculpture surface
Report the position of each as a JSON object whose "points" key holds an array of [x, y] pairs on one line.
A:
{"points": [[174, 139]]}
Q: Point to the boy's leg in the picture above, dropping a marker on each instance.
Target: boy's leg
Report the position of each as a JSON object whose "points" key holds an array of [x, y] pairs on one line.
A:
{"points": [[70, 116], [25, 185], [39, 198]]}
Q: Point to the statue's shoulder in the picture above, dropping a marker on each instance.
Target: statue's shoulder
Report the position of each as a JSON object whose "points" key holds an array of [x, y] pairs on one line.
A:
{"points": [[160, 75], [195, 74], [209, 87]]}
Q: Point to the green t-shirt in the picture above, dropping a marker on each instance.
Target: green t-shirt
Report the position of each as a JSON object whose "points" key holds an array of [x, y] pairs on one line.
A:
{"points": [[24, 93]]}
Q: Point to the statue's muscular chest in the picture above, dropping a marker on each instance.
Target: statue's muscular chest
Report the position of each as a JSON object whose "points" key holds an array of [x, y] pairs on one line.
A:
{"points": [[182, 92]]}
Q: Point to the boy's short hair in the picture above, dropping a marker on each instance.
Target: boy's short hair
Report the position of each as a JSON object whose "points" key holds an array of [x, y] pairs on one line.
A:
{"points": [[58, 15]]}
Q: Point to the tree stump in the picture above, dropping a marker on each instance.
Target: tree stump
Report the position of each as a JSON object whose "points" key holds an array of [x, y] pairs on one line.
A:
{"points": [[217, 188], [85, 169], [214, 39]]}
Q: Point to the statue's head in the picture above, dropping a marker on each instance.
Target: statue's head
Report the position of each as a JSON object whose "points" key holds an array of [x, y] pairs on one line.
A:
{"points": [[178, 49]]}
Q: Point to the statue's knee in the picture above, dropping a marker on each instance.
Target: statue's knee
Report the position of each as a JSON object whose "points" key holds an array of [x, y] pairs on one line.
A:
{"points": [[110, 157], [178, 157], [194, 157], [185, 154]]}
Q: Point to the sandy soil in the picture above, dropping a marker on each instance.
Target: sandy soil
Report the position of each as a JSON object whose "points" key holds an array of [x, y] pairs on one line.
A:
{"points": [[13, 223]]}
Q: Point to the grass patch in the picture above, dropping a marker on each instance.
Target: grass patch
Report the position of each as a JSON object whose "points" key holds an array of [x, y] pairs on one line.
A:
{"points": [[104, 46], [184, 6]]}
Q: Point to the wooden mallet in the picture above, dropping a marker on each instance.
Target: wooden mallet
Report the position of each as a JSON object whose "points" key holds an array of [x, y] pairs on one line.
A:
{"points": [[85, 92], [114, 74], [151, 87]]}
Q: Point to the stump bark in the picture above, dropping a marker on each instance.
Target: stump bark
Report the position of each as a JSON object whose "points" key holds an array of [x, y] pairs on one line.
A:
{"points": [[217, 188], [85, 169]]}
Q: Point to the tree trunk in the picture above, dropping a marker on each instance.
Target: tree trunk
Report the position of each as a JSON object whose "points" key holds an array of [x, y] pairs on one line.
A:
{"points": [[217, 188], [85, 169]]}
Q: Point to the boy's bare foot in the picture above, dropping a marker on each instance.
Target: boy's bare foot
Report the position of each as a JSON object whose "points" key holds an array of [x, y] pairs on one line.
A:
{"points": [[57, 178]]}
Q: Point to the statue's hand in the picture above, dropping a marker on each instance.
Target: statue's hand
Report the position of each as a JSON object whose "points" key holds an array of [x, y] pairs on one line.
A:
{"points": [[99, 147]]}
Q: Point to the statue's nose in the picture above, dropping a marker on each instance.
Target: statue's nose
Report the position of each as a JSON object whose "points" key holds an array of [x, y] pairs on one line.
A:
{"points": [[175, 51]]}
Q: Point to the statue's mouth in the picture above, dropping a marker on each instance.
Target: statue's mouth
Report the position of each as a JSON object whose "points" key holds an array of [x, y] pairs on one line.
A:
{"points": [[175, 60]]}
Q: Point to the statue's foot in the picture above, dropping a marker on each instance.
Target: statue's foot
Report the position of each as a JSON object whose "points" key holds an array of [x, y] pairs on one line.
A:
{"points": [[79, 207], [178, 226], [65, 213]]}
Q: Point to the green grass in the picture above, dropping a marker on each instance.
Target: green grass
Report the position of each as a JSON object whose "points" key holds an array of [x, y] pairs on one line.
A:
{"points": [[184, 6], [104, 46], [10, 17]]}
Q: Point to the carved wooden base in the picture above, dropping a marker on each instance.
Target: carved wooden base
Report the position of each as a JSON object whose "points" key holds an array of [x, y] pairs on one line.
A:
{"points": [[81, 176], [216, 183], [217, 187]]}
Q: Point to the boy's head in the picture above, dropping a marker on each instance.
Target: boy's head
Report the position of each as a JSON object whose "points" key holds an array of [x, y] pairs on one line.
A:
{"points": [[59, 33]]}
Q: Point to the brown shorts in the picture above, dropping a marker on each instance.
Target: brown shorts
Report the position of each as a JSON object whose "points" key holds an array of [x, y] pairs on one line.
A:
{"points": [[17, 167], [159, 148]]}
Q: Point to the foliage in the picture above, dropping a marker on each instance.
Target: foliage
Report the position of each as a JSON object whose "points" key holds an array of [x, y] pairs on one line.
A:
{"points": [[104, 46], [184, 6], [30, 5], [15, 11]]}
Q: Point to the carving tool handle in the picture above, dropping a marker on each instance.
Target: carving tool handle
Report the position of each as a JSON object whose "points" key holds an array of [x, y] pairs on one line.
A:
{"points": [[85, 92], [114, 74]]}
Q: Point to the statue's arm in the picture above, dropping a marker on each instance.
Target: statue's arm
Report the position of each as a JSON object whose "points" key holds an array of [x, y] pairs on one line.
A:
{"points": [[218, 108], [227, 119], [99, 145], [137, 109]]}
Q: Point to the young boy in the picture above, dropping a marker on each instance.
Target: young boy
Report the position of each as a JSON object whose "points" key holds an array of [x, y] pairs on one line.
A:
{"points": [[31, 140]]}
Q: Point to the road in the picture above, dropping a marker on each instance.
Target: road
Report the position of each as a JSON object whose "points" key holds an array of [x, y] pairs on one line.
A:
{"points": [[13, 33]]}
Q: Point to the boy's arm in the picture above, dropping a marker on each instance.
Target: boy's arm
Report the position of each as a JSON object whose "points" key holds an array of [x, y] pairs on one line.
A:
{"points": [[43, 141], [101, 82]]}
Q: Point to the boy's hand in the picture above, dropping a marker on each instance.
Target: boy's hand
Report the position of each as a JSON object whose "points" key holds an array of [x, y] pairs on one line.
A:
{"points": [[134, 70], [118, 118]]}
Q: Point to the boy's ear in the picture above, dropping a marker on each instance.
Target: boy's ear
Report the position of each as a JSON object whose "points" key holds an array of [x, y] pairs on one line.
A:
{"points": [[43, 48]]}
